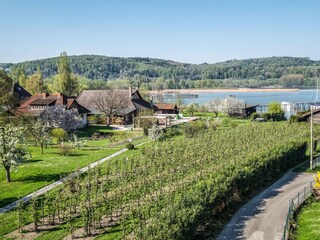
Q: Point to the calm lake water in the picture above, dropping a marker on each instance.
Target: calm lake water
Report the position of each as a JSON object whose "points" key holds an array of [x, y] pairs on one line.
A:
{"points": [[261, 98]]}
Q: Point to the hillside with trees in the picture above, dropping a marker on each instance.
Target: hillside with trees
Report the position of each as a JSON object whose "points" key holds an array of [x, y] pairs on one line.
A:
{"points": [[160, 74]]}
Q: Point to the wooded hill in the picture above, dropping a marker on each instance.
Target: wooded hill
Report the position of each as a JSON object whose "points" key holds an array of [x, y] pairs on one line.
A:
{"points": [[111, 68]]}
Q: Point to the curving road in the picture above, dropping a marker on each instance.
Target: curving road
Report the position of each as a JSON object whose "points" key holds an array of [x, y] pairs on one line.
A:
{"points": [[263, 217]]}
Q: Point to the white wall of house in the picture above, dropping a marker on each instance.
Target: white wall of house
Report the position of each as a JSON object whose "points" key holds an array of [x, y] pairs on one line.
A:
{"points": [[84, 118]]}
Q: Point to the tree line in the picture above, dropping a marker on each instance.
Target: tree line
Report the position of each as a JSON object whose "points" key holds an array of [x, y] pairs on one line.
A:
{"points": [[157, 74]]}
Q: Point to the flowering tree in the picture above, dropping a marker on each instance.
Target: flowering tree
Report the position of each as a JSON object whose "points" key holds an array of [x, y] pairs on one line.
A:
{"points": [[12, 150], [232, 106], [215, 105], [58, 116]]}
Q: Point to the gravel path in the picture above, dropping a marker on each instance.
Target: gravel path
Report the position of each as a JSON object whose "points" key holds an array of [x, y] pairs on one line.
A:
{"points": [[263, 217], [62, 180]]}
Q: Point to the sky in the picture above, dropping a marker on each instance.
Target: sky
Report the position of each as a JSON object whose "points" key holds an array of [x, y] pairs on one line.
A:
{"points": [[191, 31]]}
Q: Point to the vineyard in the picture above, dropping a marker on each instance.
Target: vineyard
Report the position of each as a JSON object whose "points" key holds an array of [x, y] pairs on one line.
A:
{"points": [[163, 190]]}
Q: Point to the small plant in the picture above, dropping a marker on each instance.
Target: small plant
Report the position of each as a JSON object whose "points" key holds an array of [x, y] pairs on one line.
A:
{"points": [[78, 142], [294, 119], [59, 135], [155, 133], [65, 149], [130, 146]]}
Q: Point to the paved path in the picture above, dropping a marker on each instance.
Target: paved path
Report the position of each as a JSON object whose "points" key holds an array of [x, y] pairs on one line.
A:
{"points": [[62, 180], [263, 217]]}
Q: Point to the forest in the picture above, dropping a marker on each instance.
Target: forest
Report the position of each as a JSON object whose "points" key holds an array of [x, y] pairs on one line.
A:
{"points": [[158, 74]]}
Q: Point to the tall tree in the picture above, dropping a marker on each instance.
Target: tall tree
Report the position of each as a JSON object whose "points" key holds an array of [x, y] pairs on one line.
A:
{"points": [[66, 83], [6, 88], [22, 77], [34, 83]]}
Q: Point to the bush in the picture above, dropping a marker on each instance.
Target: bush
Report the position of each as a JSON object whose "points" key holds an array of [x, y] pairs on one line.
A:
{"points": [[254, 116], [194, 128], [155, 133], [98, 119], [130, 146], [228, 122], [59, 135], [294, 119], [171, 132], [65, 149]]}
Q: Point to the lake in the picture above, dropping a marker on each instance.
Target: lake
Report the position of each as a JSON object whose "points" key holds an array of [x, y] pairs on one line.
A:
{"points": [[261, 98]]}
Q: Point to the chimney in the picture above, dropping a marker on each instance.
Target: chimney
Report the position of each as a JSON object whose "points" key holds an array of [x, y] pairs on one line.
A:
{"points": [[130, 92], [44, 95]]}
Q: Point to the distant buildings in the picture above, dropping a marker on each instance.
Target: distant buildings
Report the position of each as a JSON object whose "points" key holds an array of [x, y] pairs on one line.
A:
{"points": [[133, 99], [86, 105], [33, 106]]}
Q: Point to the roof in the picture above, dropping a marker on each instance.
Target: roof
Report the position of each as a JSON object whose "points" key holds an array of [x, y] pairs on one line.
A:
{"points": [[135, 101], [165, 106], [45, 99], [249, 107], [20, 92], [307, 114]]}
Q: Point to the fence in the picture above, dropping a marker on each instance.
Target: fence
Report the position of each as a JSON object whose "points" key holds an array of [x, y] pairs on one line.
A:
{"points": [[297, 200], [315, 162], [294, 204]]}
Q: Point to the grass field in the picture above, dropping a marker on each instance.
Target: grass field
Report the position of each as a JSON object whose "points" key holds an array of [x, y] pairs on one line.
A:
{"points": [[308, 222]]}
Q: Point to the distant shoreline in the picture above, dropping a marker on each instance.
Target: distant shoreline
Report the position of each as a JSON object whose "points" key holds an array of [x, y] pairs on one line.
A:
{"points": [[213, 90]]}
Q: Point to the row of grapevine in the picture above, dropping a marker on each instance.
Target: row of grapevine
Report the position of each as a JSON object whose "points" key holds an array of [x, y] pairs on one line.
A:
{"points": [[164, 192]]}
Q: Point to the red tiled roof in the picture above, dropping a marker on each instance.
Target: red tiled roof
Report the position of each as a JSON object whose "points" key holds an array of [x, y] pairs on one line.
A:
{"points": [[45, 99], [165, 106]]}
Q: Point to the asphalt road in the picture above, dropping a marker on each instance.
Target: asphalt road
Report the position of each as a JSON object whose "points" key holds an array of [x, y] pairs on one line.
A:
{"points": [[263, 217]]}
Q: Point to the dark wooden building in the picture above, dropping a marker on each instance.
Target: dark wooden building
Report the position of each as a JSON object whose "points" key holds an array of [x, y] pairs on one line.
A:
{"points": [[248, 110], [165, 108]]}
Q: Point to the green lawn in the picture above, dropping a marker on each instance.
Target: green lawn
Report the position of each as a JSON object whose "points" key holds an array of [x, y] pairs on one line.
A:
{"points": [[308, 221]]}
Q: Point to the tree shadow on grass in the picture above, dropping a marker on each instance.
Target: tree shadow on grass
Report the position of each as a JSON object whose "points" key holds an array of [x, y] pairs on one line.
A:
{"points": [[41, 177], [32, 161], [6, 201]]}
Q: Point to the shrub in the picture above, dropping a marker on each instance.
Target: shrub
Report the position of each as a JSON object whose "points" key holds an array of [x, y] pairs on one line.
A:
{"points": [[294, 119], [130, 146], [65, 149], [171, 132], [99, 119], [59, 135], [194, 128], [228, 122], [254, 116], [155, 133]]}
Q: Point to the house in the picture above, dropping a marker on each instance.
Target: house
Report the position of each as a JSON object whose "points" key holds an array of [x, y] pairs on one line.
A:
{"points": [[20, 93], [165, 108], [248, 110], [133, 99], [34, 105]]}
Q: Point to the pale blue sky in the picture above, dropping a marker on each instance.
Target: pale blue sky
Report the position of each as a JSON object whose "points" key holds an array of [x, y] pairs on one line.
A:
{"points": [[193, 31]]}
